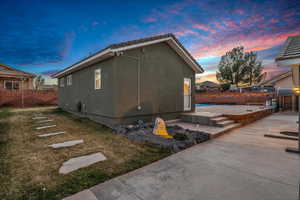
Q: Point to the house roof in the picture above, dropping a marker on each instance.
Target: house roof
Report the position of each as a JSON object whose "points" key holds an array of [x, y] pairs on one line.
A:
{"points": [[276, 78], [208, 84], [7, 71], [114, 49], [291, 49]]}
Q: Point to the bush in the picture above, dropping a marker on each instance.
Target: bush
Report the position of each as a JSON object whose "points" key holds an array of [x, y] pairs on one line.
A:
{"points": [[225, 86]]}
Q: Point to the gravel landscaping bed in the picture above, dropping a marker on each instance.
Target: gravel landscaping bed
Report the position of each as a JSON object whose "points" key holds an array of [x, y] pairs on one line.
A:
{"points": [[182, 138]]}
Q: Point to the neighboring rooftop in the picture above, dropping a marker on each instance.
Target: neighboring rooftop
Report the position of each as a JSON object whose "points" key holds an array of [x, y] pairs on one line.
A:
{"points": [[276, 78], [291, 49], [113, 49], [208, 84], [7, 71]]}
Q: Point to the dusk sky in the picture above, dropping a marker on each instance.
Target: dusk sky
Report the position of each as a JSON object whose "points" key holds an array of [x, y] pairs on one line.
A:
{"points": [[46, 36]]}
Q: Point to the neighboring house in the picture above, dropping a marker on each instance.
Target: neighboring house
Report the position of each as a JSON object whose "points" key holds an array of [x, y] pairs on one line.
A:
{"points": [[208, 86], [283, 84], [13, 79], [290, 55], [134, 80]]}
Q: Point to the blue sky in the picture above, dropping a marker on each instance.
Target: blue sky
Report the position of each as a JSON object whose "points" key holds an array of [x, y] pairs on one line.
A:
{"points": [[46, 36]]}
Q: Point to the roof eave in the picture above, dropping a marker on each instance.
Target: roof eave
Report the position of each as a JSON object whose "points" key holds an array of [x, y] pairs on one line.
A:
{"points": [[288, 61], [170, 40], [84, 63]]}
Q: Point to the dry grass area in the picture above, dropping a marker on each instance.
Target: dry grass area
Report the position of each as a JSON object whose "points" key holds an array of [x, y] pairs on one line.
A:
{"points": [[33, 166], [33, 109]]}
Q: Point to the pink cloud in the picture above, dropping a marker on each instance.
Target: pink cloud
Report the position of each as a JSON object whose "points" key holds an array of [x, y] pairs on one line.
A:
{"points": [[204, 28], [219, 26], [150, 19], [239, 11], [273, 20], [231, 24], [256, 18], [250, 42], [262, 25], [185, 32], [290, 13]]}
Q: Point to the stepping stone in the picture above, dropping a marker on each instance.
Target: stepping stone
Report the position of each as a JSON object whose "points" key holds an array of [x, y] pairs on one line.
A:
{"points": [[66, 144], [43, 127], [44, 121], [80, 162], [51, 134], [42, 117]]}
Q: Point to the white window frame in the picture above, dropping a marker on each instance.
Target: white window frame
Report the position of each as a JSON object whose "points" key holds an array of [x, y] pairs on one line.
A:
{"points": [[98, 79], [69, 80], [62, 82], [13, 83]]}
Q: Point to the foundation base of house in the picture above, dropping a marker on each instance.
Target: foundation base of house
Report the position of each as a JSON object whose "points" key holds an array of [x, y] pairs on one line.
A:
{"points": [[292, 150], [113, 121]]}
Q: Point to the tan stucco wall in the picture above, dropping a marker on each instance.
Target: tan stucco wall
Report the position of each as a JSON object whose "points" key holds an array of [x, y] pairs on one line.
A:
{"points": [[285, 83]]}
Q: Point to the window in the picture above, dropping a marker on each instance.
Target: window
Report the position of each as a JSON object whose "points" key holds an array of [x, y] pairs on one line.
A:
{"points": [[11, 85], [69, 80], [62, 82], [8, 85], [16, 85], [98, 84]]}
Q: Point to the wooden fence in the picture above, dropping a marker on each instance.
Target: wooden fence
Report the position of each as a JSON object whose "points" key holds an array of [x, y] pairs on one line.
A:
{"points": [[27, 98], [251, 98]]}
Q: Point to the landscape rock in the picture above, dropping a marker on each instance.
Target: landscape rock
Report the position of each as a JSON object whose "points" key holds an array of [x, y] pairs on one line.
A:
{"points": [[51, 134], [41, 117], [44, 127], [142, 132], [66, 144], [80, 162], [44, 121]]}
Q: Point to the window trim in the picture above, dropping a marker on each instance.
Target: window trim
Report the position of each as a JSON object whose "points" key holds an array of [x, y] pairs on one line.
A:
{"points": [[13, 83], [98, 79], [69, 80], [62, 82]]}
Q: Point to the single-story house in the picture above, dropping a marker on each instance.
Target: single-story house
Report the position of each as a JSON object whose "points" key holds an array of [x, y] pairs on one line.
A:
{"points": [[207, 86], [130, 81], [283, 84], [13, 79], [290, 55]]}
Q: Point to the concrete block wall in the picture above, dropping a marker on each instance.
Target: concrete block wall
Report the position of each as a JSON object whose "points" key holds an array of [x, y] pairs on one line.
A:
{"points": [[13, 98]]}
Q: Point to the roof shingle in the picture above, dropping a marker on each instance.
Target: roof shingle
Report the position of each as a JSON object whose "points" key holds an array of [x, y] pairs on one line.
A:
{"points": [[291, 49]]}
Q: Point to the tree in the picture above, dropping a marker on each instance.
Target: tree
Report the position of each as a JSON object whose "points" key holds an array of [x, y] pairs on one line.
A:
{"points": [[238, 67], [254, 69], [39, 80]]}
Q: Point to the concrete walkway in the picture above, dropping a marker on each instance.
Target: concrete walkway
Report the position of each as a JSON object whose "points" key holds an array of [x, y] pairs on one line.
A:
{"points": [[239, 165]]}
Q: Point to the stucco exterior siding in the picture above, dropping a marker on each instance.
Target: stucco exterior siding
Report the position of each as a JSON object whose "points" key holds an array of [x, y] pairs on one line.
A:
{"points": [[161, 81], [157, 68], [285, 83], [97, 102]]}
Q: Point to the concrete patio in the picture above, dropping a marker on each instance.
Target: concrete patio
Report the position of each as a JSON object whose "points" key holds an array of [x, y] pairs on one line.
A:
{"points": [[228, 109], [240, 165]]}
